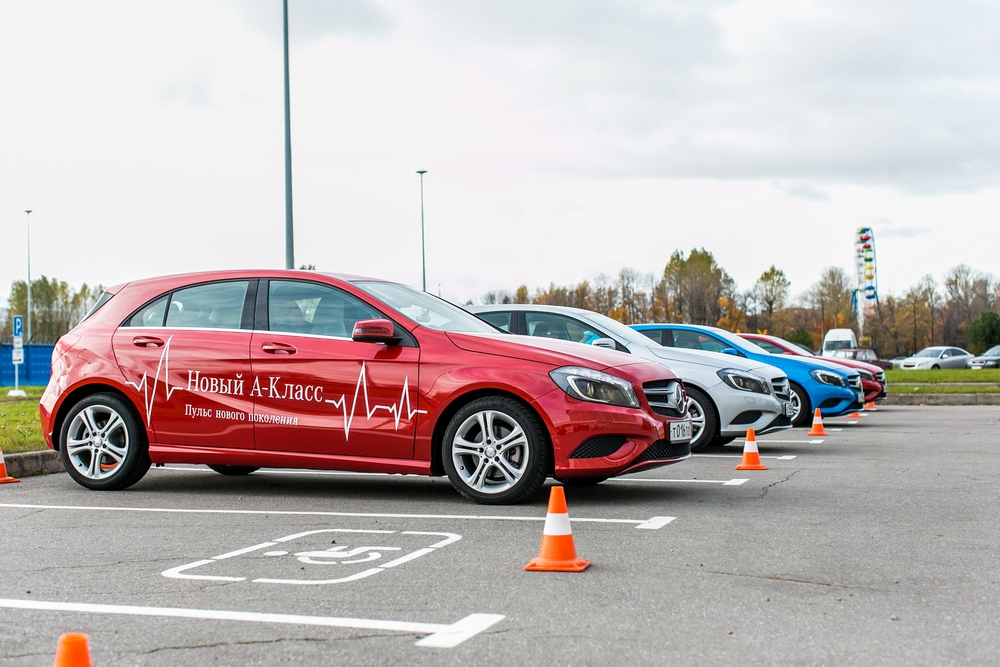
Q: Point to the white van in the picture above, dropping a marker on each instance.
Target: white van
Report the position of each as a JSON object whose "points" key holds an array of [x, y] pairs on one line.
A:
{"points": [[838, 339]]}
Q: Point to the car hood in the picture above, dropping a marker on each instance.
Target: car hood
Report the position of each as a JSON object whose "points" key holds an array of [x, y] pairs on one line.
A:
{"points": [[543, 350], [714, 361], [809, 363], [990, 357], [854, 363]]}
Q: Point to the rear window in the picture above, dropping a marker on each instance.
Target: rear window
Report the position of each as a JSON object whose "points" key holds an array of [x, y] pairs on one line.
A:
{"points": [[105, 297]]}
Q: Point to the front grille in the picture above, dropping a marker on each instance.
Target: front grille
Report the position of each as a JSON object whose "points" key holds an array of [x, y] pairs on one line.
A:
{"points": [[661, 396], [748, 417], [780, 386], [598, 446], [664, 449]]}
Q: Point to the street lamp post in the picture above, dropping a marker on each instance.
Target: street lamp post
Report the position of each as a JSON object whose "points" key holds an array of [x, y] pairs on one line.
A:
{"points": [[289, 238], [27, 332], [423, 256]]}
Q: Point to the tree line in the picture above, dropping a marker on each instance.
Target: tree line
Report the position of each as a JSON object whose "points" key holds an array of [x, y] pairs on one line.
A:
{"points": [[961, 310], [55, 308]]}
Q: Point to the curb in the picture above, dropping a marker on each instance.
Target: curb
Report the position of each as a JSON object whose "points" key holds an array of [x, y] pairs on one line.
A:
{"points": [[942, 399], [27, 464]]}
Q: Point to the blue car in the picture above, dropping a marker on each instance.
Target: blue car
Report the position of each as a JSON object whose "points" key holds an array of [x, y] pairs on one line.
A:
{"points": [[813, 383]]}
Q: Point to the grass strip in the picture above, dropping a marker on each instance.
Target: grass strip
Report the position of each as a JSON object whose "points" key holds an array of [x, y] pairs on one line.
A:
{"points": [[20, 427], [895, 375]]}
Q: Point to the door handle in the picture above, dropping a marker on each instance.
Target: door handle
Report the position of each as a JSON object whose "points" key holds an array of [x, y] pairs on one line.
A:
{"points": [[147, 341], [278, 348]]}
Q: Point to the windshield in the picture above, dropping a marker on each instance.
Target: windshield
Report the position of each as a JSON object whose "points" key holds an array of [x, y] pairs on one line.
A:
{"points": [[426, 309], [737, 342], [837, 345], [807, 353], [929, 352], [992, 352], [626, 333]]}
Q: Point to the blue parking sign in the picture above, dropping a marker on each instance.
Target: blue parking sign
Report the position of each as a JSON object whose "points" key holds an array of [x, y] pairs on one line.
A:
{"points": [[18, 325]]}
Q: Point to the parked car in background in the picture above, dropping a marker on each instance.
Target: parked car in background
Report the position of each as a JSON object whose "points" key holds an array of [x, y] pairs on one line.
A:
{"points": [[296, 369], [813, 382], [867, 356], [937, 356], [726, 395], [873, 381], [838, 339], [988, 359]]}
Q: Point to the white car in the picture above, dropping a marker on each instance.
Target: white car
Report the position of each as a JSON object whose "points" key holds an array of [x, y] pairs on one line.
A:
{"points": [[726, 394], [937, 356]]}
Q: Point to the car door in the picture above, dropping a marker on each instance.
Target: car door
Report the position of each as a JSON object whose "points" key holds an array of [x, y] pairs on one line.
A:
{"points": [[186, 355], [315, 389]]}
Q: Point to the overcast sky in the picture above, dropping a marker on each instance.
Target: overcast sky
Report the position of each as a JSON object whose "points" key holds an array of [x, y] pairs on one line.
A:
{"points": [[561, 139]]}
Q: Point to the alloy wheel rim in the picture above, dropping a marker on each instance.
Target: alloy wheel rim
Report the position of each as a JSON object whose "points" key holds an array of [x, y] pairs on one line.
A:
{"points": [[697, 420], [490, 452], [796, 403], [97, 442]]}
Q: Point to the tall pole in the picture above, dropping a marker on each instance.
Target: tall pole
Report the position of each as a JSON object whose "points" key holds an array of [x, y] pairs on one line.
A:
{"points": [[289, 238], [423, 256], [27, 336]]}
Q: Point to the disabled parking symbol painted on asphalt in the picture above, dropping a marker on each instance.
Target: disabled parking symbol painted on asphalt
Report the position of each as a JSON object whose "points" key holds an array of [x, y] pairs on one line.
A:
{"points": [[316, 558]]}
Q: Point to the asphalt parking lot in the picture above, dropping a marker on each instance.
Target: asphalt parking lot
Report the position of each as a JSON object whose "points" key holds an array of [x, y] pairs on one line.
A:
{"points": [[874, 545]]}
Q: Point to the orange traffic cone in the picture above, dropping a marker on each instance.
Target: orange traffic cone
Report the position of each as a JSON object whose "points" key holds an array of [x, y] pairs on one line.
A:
{"points": [[557, 553], [817, 427], [751, 457], [4, 477], [870, 405], [855, 415], [73, 651]]}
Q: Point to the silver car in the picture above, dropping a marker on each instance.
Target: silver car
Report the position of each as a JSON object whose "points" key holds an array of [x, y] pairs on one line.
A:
{"points": [[937, 356], [726, 394], [988, 359]]}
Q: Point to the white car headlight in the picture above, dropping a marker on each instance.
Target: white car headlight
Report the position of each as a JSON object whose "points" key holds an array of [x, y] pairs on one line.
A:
{"points": [[587, 384]]}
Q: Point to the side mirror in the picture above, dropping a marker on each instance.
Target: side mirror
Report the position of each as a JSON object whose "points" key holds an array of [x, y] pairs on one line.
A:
{"points": [[374, 331], [730, 350], [605, 342]]}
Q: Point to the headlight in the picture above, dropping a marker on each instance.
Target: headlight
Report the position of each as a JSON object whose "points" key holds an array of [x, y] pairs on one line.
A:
{"points": [[828, 377], [595, 386], [743, 381], [865, 375]]}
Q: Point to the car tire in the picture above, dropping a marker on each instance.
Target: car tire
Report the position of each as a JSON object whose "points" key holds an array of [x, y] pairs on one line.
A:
{"points": [[234, 471], [103, 444], [579, 482], [704, 422], [935, 367], [800, 399], [496, 451]]}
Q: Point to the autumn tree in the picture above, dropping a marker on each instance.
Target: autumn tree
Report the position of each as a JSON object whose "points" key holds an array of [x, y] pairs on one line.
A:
{"points": [[695, 284], [771, 289], [55, 307]]}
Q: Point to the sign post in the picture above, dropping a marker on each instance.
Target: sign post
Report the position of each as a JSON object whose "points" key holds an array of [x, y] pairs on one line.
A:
{"points": [[17, 356]]}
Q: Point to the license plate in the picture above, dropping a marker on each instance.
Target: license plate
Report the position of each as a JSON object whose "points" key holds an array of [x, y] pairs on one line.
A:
{"points": [[680, 431], [861, 397], [789, 409]]}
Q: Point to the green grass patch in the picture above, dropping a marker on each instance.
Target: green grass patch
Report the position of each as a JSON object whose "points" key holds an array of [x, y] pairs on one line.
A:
{"points": [[943, 375], [943, 389], [20, 426]]}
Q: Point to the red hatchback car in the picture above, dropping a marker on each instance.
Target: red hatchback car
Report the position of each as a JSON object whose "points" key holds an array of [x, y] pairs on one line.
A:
{"points": [[873, 381], [239, 370]]}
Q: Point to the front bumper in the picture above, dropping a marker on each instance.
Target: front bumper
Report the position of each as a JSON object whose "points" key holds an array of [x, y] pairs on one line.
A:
{"points": [[596, 440], [764, 415]]}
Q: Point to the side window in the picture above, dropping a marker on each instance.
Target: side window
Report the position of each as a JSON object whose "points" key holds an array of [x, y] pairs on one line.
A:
{"points": [[769, 346], [946, 354], [210, 306], [151, 315], [499, 320], [320, 310], [548, 325], [694, 340], [654, 334]]}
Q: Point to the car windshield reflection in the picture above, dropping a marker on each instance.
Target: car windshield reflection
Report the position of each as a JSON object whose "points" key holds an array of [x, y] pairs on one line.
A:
{"points": [[426, 309]]}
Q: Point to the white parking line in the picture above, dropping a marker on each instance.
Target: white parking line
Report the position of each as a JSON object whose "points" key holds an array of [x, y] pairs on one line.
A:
{"points": [[786, 457], [723, 482], [377, 515], [788, 442], [439, 635]]}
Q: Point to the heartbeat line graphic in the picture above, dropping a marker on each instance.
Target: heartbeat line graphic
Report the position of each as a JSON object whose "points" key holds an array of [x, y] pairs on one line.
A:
{"points": [[148, 394], [396, 409]]}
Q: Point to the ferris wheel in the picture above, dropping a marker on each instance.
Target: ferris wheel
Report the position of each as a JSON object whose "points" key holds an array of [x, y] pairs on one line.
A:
{"points": [[866, 295]]}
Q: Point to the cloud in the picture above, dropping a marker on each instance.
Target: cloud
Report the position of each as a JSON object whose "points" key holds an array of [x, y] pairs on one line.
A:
{"points": [[803, 191], [310, 20], [896, 94]]}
